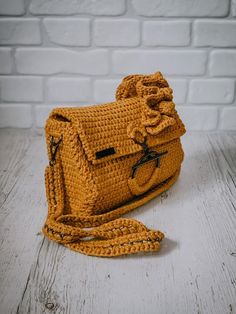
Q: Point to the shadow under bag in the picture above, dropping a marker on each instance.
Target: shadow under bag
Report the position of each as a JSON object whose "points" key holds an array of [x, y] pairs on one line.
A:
{"points": [[105, 160]]}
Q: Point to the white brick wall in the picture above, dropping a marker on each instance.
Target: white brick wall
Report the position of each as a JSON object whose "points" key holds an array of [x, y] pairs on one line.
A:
{"points": [[19, 31], [74, 53], [104, 90], [166, 33], [71, 7], [211, 91], [5, 61], [223, 63], [170, 62], [68, 89], [60, 60], [12, 7], [182, 8], [21, 88], [216, 33], [68, 31], [116, 32], [18, 116]]}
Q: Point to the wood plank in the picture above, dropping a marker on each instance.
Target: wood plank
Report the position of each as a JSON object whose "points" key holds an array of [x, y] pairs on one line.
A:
{"points": [[195, 271], [21, 211]]}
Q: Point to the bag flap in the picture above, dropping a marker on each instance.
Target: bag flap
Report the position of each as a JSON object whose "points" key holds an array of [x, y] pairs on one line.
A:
{"points": [[107, 131]]}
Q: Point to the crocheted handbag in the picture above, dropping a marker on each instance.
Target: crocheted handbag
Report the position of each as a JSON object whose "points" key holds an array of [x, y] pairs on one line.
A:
{"points": [[106, 160]]}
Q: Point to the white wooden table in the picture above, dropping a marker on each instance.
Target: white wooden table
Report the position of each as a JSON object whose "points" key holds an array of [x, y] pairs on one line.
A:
{"points": [[195, 271]]}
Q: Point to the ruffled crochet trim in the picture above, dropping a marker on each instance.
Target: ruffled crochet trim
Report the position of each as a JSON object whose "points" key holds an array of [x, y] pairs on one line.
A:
{"points": [[158, 109]]}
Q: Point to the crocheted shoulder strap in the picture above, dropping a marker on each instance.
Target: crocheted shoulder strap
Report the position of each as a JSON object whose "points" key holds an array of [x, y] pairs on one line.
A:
{"points": [[112, 236]]}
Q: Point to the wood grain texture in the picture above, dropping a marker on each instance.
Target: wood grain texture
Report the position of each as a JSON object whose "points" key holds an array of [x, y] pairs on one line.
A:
{"points": [[195, 271]]}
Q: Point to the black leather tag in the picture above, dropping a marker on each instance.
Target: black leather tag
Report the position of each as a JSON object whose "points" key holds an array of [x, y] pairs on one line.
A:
{"points": [[105, 152]]}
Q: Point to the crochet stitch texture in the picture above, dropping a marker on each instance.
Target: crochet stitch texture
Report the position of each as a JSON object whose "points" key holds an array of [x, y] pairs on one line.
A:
{"points": [[106, 160]]}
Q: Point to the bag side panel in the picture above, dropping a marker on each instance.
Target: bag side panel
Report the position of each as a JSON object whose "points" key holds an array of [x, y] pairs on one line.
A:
{"points": [[79, 189]]}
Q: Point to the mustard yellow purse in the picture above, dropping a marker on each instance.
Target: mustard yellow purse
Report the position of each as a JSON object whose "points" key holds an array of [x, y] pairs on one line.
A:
{"points": [[105, 160]]}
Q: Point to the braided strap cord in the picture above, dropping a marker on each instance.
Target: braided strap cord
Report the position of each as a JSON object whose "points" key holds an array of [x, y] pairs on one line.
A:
{"points": [[112, 236]]}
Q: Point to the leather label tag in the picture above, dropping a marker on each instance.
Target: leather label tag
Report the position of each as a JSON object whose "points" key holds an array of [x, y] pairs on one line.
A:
{"points": [[105, 152]]}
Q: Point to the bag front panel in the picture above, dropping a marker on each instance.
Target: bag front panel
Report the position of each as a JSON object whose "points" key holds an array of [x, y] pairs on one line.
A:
{"points": [[111, 177]]}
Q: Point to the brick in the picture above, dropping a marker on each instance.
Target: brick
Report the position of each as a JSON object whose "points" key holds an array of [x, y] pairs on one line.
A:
{"points": [[104, 90], [57, 60], [19, 31], [181, 7], [198, 118], [228, 119], [70, 7], [180, 62], [17, 116], [119, 32], [223, 63], [5, 61], [166, 33], [214, 91], [71, 31], [12, 7], [216, 33], [233, 7], [68, 89], [18, 88], [179, 87]]}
